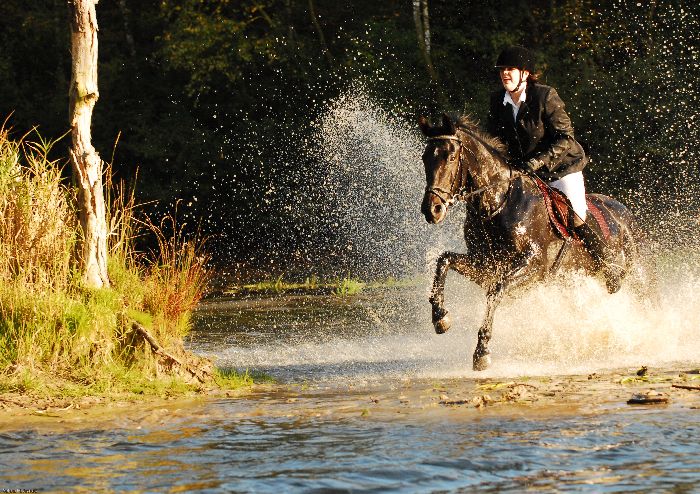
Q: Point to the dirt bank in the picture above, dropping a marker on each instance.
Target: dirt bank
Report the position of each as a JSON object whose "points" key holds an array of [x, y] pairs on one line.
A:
{"points": [[18, 411], [420, 398]]}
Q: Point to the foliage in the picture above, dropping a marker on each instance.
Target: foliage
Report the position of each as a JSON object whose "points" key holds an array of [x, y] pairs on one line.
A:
{"points": [[214, 99], [37, 223], [177, 280]]}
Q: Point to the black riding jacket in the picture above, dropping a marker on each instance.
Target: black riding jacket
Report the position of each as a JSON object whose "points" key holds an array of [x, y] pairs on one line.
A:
{"points": [[541, 130]]}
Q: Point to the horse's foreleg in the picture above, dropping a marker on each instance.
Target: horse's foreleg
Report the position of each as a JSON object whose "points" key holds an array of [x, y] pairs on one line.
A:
{"points": [[446, 261], [519, 272]]}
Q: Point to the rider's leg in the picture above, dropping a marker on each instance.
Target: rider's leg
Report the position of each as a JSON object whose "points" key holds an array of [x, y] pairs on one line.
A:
{"points": [[604, 258], [574, 189], [572, 186], [588, 230]]}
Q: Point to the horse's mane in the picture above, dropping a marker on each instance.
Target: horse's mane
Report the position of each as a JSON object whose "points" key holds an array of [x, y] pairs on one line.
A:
{"points": [[471, 126]]}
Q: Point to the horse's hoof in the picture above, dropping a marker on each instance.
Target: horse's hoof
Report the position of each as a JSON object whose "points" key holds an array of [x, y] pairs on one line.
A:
{"points": [[442, 325], [613, 286], [482, 363], [613, 279]]}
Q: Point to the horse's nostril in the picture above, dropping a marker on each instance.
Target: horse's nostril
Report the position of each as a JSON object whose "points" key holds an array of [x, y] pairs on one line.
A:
{"points": [[438, 208]]}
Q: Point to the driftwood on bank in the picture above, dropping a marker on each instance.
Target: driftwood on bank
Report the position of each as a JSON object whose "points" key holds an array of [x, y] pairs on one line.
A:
{"points": [[202, 374], [685, 386]]}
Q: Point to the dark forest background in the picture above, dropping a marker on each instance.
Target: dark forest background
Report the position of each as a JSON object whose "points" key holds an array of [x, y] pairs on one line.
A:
{"points": [[212, 100]]}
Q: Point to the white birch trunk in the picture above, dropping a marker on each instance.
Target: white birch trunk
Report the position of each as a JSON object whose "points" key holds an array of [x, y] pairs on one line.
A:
{"points": [[426, 25], [420, 19], [86, 163]]}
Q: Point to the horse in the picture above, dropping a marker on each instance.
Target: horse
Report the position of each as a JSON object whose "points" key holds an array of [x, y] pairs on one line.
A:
{"points": [[511, 241]]}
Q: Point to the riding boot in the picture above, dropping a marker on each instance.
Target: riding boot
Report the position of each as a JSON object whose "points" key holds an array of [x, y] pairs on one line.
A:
{"points": [[593, 240]]}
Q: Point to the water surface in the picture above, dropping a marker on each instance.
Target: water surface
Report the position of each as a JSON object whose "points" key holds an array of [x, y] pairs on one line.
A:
{"points": [[359, 406]]}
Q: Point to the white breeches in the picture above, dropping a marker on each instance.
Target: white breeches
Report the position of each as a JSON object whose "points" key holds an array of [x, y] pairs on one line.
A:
{"points": [[572, 186]]}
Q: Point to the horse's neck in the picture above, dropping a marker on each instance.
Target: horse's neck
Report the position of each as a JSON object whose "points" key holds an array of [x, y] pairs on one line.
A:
{"points": [[497, 171], [494, 176]]}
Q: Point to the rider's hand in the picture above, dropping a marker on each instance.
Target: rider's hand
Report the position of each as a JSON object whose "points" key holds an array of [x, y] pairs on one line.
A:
{"points": [[531, 165]]}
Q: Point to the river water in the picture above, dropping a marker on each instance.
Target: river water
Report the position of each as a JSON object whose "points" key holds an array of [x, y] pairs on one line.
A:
{"points": [[368, 399]]}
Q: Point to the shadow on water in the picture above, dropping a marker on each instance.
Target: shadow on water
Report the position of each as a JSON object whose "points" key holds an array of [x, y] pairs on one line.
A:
{"points": [[329, 441]]}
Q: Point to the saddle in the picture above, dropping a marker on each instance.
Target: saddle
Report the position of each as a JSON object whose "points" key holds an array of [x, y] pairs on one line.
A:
{"points": [[561, 214]]}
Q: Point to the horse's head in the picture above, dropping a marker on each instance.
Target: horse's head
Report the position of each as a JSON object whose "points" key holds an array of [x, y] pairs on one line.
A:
{"points": [[442, 168]]}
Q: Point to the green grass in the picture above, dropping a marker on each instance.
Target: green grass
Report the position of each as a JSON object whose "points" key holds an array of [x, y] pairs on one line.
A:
{"points": [[60, 338], [228, 378], [342, 287], [349, 286]]}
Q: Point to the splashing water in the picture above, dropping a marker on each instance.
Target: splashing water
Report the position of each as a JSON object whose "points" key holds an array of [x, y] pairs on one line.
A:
{"points": [[373, 186], [390, 335], [374, 179]]}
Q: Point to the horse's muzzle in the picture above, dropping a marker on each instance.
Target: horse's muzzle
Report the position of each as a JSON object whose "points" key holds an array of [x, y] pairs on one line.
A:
{"points": [[433, 208]]}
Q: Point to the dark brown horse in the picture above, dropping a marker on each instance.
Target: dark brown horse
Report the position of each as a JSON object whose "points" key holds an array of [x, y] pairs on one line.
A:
{"points": [[510, 240]]}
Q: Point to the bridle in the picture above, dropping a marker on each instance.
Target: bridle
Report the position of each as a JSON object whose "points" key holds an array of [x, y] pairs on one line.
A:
{"points": [[448, 197]]}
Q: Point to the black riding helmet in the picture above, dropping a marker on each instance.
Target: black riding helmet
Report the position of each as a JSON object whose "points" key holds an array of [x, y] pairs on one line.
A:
{"points": [[515, 56]]}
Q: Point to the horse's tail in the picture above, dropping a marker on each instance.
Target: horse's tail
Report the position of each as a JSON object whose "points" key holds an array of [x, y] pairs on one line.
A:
{"points": [[621, 224], [635, 244]]}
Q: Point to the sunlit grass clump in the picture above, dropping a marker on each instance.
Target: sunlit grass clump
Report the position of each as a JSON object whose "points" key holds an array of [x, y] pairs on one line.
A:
{"points": [[58, 337], [341, 287], [346, 286]]}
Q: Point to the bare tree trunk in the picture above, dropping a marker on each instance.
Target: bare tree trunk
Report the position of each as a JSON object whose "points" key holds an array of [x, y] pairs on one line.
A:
{"points": [[421, 20], [422, 38], [127, 28], [86, 163], [319, 31], [426, 26]]}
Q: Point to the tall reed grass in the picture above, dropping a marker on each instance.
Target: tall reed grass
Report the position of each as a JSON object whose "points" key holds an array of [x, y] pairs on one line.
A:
{"points": [[58, 336]]}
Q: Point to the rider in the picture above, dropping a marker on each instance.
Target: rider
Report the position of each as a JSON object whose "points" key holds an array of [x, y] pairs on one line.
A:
{"points": [[530, 119]]}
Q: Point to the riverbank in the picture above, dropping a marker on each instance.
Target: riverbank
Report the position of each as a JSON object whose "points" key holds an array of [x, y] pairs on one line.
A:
{"points": [[421, 399], [20, 411], [61, 339], [63, 403]]}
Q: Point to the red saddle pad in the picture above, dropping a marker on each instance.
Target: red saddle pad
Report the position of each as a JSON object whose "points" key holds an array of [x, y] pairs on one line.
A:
{"points": [[561, 214]]}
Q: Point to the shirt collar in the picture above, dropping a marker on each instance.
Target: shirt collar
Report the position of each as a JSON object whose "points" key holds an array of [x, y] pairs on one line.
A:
{"points": [[508, 99]]}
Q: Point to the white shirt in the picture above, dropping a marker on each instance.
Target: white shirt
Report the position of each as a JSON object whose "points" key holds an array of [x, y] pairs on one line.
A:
{"points": [[508, 99]]}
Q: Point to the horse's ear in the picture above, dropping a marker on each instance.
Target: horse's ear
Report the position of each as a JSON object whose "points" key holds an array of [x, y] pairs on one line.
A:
{"points": [[448, 124], [424, 125]]}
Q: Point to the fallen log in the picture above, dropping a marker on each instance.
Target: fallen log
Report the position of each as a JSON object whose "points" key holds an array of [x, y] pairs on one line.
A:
{"points": [[201, 374], [685, 386]]}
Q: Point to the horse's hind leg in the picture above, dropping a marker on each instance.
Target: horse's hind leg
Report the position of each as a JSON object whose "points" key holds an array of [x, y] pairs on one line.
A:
{"points": [[446, 261], [482, 355]]}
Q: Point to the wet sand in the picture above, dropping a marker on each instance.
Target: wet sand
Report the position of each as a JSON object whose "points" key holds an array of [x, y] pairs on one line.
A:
{"points": [[415, 399]]}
